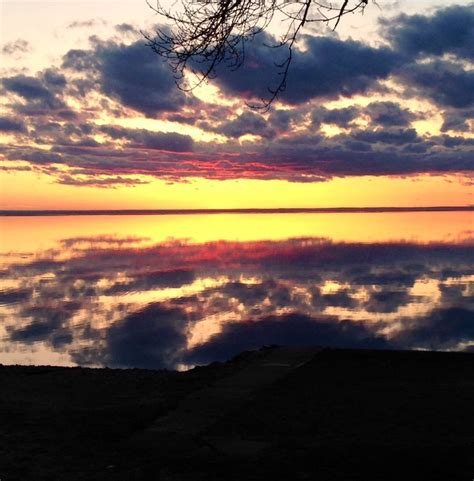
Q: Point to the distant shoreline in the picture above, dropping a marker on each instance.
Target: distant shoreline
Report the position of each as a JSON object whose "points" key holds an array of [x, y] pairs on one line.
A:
{"points": [[317, 210]]}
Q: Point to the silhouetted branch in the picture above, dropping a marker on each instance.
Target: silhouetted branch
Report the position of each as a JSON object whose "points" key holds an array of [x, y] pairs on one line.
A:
{"points": [[207, 33]]}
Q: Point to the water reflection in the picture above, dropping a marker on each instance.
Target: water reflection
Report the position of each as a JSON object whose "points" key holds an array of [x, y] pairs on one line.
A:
{"points": [[129, 299]]}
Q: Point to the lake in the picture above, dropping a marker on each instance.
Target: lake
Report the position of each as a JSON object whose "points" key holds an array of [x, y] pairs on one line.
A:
{"points": [[175, 291]]}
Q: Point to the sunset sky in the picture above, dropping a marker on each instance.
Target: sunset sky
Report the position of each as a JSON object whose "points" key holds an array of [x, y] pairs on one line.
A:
{"points": [[379, 113]]}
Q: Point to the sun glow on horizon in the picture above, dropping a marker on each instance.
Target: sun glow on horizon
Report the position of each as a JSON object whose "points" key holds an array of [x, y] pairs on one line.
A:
{"points": [[31, 190], [96, 121]]}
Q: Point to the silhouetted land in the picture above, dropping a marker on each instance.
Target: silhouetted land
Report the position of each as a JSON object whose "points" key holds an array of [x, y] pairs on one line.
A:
{"points": [[339, 415], [329, 210]]}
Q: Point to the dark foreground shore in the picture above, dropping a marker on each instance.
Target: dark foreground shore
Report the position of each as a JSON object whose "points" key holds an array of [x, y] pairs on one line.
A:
{"points": [[272, 414]]}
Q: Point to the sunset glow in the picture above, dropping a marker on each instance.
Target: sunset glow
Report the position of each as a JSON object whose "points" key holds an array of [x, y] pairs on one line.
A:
{"points": [[95, 121], [175, 290]]}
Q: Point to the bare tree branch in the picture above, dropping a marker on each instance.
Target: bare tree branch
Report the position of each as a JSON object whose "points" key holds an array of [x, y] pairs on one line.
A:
{"points": [[207, 33]]}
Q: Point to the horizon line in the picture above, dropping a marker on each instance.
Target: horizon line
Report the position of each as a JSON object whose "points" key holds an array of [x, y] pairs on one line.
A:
{"points": [[279, 210]]}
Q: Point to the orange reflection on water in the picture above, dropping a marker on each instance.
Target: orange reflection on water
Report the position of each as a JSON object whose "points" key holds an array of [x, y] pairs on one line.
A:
{"points": [[29, 234], [168, 291]]}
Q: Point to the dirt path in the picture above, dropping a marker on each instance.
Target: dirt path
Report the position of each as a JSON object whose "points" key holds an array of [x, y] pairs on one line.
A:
{"points": [[184, 429]]}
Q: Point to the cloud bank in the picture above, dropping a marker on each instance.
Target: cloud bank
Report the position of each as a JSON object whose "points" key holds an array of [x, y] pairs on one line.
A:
{"points": [[68, 119]]}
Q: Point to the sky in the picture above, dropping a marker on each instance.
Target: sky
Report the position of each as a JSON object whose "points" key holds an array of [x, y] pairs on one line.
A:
{"points": [[378, 113]]}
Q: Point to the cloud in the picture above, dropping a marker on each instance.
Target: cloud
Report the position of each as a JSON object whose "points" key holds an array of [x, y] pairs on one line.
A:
{"points": [[443, 328], [46, 321], [341, 298], [395, 136], [109, 240], [126, 28], [327, 68], [388, 300], [260, 292], [438, 51], [16, 48], [288, 143], [27, 87], [150, 338], [170, 141], [14, 296], [40, 96], [8, 124], [131, 74], [397, 278], [246, 123], [447, 31], [93, 22], [54, 79], [103, 182], [457, 120], [445, 82], [148, 280], [340, 117], [389, 114], [289, 330], [80, 60]]}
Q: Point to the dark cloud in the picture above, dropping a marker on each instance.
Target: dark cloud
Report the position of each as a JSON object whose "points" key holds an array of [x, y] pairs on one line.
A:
{"points": [[389, 114], [46, 321], [93, 181], [54, 79], [357, 146], [395, 136], [341, 298], [282, 119], [289, 144], [27, 87], [328, 67], [452, 294], [141, 138], [14, 296], [340, 117], [144, 281], [15, 168], [443, 328], [131, 74], [289, 330], [447, 31], [109, 240], [252, 295], [363, 152], [445, 82], [84, 61], [41, 95], [36, 156], [126, 28], [16, 47], [37, 266], [457, 120], [285, 303], [138, 78], [388, 300], [93, 22], [150, 338], [246, 123], [8, 124], [34, 332], [398, 278]]}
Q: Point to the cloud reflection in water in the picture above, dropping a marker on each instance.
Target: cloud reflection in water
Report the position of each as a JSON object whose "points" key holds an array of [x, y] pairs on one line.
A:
{"points": [[115, 301]]}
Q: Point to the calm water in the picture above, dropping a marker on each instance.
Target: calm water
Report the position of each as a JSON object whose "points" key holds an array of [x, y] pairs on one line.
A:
{"points": [[176, 291]]}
